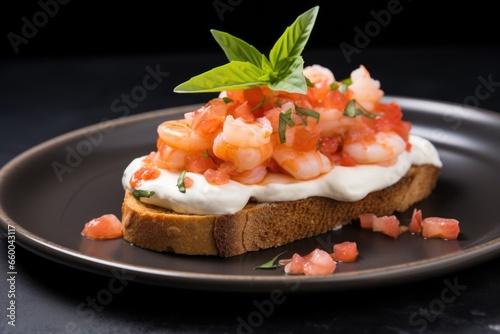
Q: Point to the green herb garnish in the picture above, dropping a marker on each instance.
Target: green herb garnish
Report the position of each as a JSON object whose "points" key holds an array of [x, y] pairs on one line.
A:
{"points": [[142, 193], [270, 264], [307, 112], [346, 81], [261, 103], [180, 181], [227, 99], [248, 67], [207, 155], [341, 87], [309, 83], [284, 120], [354, 109]]}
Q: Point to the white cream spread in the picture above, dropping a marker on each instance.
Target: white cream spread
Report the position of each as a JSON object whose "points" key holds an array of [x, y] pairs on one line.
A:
{"points": [[341, 183]]}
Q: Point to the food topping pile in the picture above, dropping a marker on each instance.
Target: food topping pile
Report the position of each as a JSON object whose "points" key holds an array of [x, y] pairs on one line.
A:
{"points": [[248, 133]]}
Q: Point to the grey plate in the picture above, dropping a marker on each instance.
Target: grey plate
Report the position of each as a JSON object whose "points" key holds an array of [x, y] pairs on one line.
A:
{"points": [[51, 190]]}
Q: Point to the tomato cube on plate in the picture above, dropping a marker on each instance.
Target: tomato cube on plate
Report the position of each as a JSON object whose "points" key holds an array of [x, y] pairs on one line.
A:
{"points": [[107, 226], [346, 251], [388, 225], [296, 265], [415, 225], [443, 228]]}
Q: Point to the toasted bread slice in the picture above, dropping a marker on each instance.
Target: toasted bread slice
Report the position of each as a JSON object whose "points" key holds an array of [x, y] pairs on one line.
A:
{"points": [[264, 225]]}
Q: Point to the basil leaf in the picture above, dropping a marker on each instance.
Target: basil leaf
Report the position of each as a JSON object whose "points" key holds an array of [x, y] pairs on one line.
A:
{"points": [[142, 193], [248, 68], [307, 112], [309, 83], [234, 75], [334, 86], [290, 76], [346, 81], [284, 120], [351, 110], [295, 37], [271, 263], [237, 49], [261, 103], [354, 109], [343, 89]]}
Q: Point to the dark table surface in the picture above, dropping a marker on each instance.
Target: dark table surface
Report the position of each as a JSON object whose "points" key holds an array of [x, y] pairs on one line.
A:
{"points": [[43, 98]]}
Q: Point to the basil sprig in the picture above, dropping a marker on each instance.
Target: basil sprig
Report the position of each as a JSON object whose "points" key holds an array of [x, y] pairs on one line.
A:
{"points": [[248, 67]]}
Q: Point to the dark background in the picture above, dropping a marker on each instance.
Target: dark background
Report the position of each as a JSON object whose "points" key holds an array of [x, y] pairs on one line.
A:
{"points": [[86, 28], [91, 53]]}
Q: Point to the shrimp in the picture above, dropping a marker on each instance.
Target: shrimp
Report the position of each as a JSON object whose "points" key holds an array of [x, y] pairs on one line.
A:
{"points": [[251, 176], [246, 145], [179, 134], [384, 150], [167, 157], [366, 91], [301, 165], [198, 128], [332, 121], [318, 73]]}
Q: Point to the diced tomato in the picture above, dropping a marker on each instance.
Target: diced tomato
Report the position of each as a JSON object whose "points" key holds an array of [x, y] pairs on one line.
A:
{"points": [[390, 120], [142, 174], [305, 137], [430, 227], [366, 220], [244, 111], [254, 96], [273, 115], [296, 265], [346, 251], [319, 262], [107, 226], [188, 182], [443, 228], [217, 176], [329, 146], [318, 94], [415, 225], [209, 117], [199, 162], [346, 160], [388, 225], [336, 100]]}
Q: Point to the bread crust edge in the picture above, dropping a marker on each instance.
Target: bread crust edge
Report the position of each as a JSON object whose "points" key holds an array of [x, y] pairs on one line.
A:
{"points": [[264, 225]]}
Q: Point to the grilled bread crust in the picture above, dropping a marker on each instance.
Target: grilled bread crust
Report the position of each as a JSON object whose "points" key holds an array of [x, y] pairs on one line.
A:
{"points": [[264, 225]]}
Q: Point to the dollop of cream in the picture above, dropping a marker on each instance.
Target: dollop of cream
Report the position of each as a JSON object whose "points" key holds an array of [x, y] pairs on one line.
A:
{"points": [[341, 183]]}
